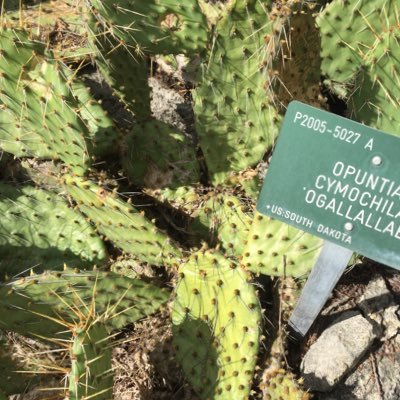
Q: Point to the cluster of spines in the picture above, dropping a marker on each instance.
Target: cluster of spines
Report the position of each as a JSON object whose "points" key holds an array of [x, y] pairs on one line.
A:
{"points": [[117, 300], [11, 381], [280, 384], [85, 305]]}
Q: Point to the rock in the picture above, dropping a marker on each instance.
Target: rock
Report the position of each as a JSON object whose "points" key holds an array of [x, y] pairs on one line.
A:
{"points": [[337, 351], [164, 104], [376, 378], [389, 372], [378, 305]]}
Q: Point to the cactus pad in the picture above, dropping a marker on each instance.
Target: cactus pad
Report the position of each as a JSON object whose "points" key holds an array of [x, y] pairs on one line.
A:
{"points": [[38, 229], [300, 72], [42, 304], [38, 112], [274, 248], [280, 384], [121, 223], [124, 69], [158, 156], [216, 319], [347, 29], [91, 371], [154, 26], [235, 116], [376, 99]]}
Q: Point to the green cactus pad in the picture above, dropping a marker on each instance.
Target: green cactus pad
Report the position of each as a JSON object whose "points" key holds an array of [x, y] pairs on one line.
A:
{"points": [[185, 198], [376, 98], [236, 119], [154, 26], [39, 230], [226, 220], [216, 320], [280, 384], [289, 290], [274, 248], [91, 370], [48, 303], [38, 112], [158, 155], [121, 223], [102, 131], [124, 70], [131, 268], [300, 72], [347, 29]]}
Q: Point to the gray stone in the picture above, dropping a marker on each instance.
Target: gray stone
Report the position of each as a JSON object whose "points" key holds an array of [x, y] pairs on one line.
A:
{"points": [[376, 378], [388, 373], [164, 104], [337, 351], [378, 305]]}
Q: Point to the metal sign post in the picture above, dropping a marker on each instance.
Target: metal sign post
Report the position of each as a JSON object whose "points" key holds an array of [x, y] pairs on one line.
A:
{"points": [[343, 179], [328, 269]]}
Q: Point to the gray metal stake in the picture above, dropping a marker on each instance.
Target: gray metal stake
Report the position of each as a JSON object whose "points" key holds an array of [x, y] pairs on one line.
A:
{"points": [[328, 269]]}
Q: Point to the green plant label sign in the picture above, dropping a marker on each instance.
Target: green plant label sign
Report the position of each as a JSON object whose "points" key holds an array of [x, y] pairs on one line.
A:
{"points": [[337, 179]]}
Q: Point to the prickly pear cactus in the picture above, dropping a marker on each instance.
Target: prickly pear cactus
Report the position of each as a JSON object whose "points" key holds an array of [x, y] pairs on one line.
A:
{"points": [[225, 219], [153, 27], [298, 75], [363, 69], [238, 122], [375, 100], [280, 384], [216, 320], [89, 305], [91, 369], [44, 305], [274, 248], [177, 165], [38, 229], [349, 29], [38, 113], [121, 223], [245, 60], [124, 69]]}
